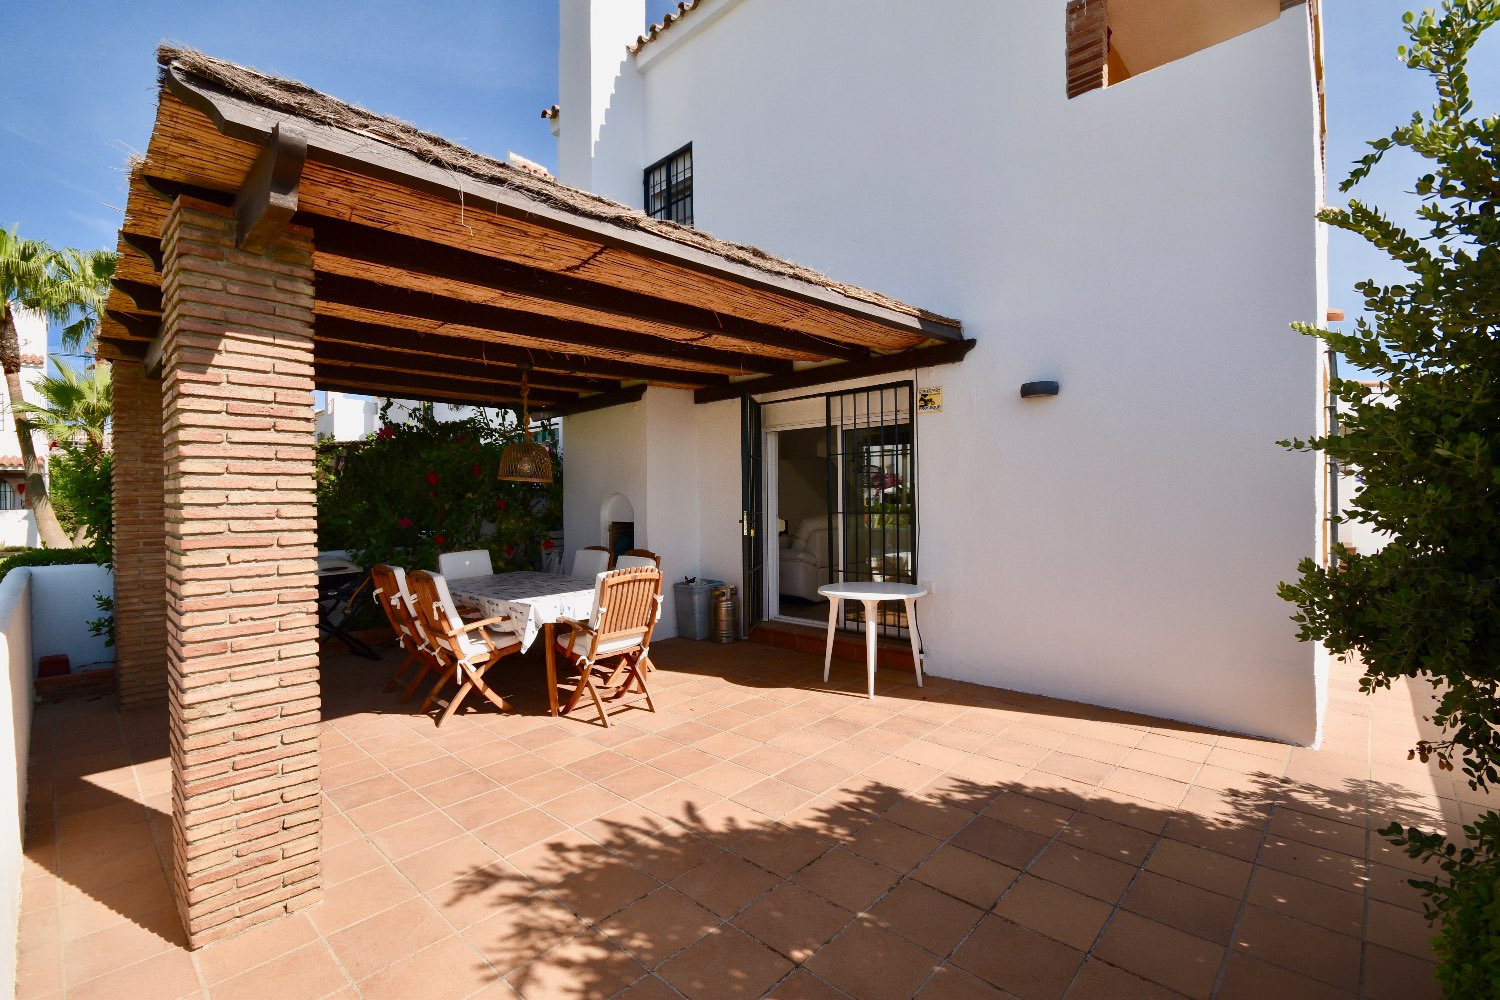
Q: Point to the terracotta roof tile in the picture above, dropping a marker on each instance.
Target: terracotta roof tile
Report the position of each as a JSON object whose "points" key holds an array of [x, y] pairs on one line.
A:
{"points": [[34, 360], [10, 462], [684, 8]]}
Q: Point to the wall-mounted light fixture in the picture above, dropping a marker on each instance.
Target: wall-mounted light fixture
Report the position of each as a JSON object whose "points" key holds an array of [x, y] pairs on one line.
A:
{"points": [[1029, 389]]}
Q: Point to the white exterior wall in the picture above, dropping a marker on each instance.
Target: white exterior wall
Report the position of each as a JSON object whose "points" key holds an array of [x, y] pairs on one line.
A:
{"points": [[1147, 245], [62, 605], [15, 736]]}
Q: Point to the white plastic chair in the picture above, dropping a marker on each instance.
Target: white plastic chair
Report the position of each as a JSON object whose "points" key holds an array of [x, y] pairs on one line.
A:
{"points": [[638, 557], [471, 562], [591, 560]]}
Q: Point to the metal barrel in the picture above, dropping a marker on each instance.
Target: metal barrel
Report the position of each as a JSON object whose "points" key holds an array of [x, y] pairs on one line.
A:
{"points": [[726, 613]]}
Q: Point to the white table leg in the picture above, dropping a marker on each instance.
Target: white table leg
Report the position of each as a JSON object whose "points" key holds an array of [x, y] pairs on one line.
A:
{"points": [[872, 611], [911, 633], [834, 603]]}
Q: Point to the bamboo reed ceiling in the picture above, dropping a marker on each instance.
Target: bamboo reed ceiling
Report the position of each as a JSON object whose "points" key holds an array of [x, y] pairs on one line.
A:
{"points": [[434, 284]]}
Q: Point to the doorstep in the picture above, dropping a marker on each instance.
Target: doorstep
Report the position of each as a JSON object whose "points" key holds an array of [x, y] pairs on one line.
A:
{"points": [[848, 646]]}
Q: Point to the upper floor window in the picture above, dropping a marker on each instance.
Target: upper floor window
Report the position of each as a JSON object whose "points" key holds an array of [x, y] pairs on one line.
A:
{"points": [[669, 187]]}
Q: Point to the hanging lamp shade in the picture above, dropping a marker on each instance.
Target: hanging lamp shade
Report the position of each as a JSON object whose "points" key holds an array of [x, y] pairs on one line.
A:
{"points": [[525, 461]]}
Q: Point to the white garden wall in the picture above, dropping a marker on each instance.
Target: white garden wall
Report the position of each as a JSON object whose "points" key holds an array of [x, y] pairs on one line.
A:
{"points": [[16, 672], [62, 604], [1146, 245]]}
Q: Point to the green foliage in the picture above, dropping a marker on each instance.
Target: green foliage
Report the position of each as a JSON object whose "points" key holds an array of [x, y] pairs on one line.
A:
{"points": [[1427, 605], [45, 557], [1467, 899], [83, 494], [75, 405], [105, 624], [413, 490]]}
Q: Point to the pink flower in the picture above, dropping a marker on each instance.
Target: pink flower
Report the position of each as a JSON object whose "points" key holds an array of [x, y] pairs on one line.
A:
{"points": [[477, 469], [405, 522], [432, 478], [509, 551], [439, 541], [52, 446], [547, 544], [386, 433], [499, 504]]}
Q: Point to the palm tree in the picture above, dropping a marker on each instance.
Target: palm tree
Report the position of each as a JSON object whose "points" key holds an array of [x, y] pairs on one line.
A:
{"points": [[74, 406], [31, 276]]}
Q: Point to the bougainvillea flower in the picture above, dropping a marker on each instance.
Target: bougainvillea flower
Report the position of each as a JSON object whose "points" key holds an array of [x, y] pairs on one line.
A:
{"points": [[405, 522], [499, 504], [52, 446], [547, 544], [478, 469], [439, 540], [386, 432], [432, 477]]}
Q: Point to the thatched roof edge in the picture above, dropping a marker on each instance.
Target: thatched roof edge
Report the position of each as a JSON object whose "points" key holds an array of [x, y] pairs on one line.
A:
{"points": [[298, 99]]}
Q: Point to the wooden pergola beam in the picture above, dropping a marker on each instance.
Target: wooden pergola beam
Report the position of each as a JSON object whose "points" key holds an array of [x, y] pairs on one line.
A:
{"points": [[336, 354], [588, 404], [885, 364], [267, 200]]}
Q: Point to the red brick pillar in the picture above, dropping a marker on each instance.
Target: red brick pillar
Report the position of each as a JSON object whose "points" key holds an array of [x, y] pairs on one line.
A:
{"points": [[140, 538], [237, 383]]}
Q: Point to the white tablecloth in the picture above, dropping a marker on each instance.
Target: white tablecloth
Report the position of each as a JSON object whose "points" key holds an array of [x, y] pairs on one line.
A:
{"points": [[530, 599]]}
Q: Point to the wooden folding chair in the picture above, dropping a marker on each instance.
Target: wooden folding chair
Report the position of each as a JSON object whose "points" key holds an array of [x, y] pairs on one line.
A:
{"points": [[617, 636], [396, 600], [470, 649]]}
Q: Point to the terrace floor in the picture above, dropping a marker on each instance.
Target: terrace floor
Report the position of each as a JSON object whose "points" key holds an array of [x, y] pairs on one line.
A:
{"points": [[763, 834]]}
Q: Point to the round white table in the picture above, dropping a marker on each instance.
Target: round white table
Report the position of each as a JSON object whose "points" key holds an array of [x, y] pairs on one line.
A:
{"points": [[871, 594]]}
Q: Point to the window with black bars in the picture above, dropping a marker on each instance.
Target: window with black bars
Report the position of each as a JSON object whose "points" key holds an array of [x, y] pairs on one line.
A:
{"points": [[669, 187]]}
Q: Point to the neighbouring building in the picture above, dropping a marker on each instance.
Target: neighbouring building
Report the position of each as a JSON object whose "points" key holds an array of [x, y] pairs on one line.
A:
{"points": [[1114, 196], [17, 522]]}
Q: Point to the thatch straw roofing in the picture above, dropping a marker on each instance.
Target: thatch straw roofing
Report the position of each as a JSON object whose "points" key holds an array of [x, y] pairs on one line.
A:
{"points": [[302, 101]]}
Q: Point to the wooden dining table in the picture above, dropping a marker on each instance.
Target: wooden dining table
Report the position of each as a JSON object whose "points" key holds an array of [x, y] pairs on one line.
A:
{"points": [[534, 602]]}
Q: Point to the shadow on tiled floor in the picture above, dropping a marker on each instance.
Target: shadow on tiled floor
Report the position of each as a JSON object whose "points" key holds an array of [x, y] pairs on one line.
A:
{"points": [[763, 834]]}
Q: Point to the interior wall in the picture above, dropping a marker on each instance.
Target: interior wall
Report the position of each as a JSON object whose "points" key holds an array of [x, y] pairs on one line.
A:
{"points": [[803, 476]]}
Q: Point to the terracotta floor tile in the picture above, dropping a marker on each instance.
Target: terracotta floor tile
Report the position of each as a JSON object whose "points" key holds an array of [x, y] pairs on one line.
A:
{"points": [[1205, 869], [782, 849], [892, 845], [1018, 960], [871, 963], [1399, 929], [803, 985], [636, 781], [846, 879], [1056, 911], [658, 926], [649, 988], [1314, 902], [1320, 831], [522, 929], [725, 883], [370, 945], [519, 831], [767, 759], [1084, 871], [547, 785], [1101, 981], [366, 791], [359, 898], [1162, 954], [793, 921], [926, 917], [603, 885], [969, 877], [1000, 842], [1304, 948], [304, 973], [486, 808], [1185, 907], [773, 797], [1246, 978], [123, 943], [949, 982], [388, 811], [1393, 975], [1341, 871], [726, 963], [727, 778], [1029, 813], [415, 835], [450, 968], [1150, 788]]}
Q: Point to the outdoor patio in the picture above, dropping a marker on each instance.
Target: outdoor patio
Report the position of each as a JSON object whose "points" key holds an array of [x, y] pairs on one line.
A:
{"points": [[761, 834]]}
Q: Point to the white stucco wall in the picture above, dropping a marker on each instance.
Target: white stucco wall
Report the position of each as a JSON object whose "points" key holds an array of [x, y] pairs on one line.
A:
{"points": [[15, 743], [18, 529], [1147, 245], [62, 604]]}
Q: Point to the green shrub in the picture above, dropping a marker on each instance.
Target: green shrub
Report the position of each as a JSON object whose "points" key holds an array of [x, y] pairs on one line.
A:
{"points": [[414, 490], [83, 494], [45, 557]]}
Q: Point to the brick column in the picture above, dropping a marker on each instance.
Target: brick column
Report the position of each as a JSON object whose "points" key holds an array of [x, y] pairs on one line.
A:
{"points": [[237, 383], [140, 539]]}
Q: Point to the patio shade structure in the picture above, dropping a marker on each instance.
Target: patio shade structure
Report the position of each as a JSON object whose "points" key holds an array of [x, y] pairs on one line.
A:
{"points": [[277, 240]]}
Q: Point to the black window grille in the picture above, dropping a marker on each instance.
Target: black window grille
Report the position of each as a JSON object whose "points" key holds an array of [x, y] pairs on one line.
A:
{"points": [[9, 498], [669, 187]]}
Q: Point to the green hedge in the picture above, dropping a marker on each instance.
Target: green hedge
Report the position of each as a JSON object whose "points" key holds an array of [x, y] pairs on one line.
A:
{"points": [[46, 557]]}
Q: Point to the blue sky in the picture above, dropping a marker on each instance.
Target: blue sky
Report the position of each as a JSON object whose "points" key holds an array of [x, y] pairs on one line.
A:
{"points": [[81, 81]]}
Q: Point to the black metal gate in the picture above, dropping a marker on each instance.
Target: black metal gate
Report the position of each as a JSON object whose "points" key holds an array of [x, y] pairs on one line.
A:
{"points": [[752, 513], [872, 491]]}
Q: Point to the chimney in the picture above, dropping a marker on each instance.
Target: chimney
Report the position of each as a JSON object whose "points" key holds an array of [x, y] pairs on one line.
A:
{"points": [[592, 36]]}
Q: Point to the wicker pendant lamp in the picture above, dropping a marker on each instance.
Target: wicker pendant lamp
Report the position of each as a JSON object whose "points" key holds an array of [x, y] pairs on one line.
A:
{"points": [[525, 461]]}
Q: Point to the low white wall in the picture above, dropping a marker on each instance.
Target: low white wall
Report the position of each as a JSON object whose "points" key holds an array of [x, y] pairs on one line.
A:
{"points": [[15, 736], [62, 602], [18, 529]]}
